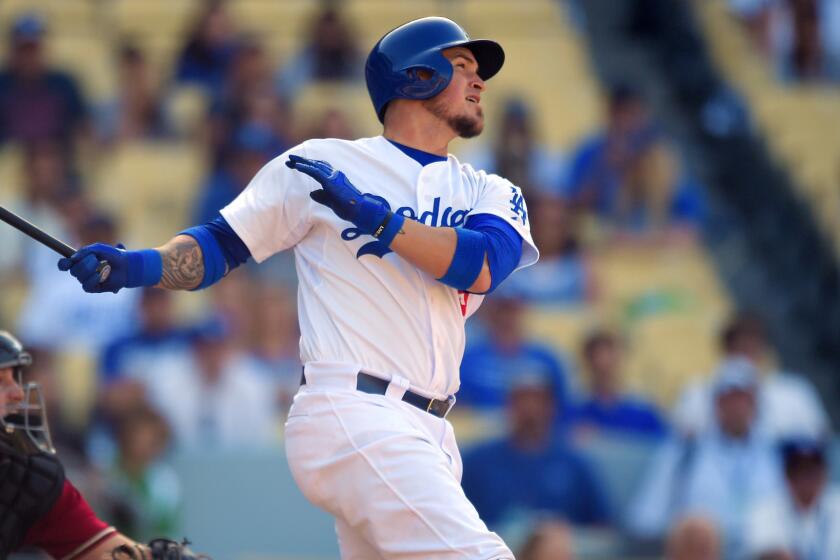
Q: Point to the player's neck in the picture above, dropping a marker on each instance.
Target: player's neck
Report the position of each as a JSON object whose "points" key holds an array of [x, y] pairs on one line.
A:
{"points": [[419, 130]]}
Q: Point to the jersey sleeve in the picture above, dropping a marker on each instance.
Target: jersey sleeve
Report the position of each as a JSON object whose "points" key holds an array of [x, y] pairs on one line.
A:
{"points": [[273, 213], [499, 197], [70, 528]]}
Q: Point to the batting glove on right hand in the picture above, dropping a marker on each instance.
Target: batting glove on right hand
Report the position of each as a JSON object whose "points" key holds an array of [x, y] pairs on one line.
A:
{"points": [[368, 213], [128, 269]]}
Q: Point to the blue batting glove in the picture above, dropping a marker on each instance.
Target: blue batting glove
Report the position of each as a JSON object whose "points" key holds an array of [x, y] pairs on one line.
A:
{"points": [[368, 213], [129, 269]]}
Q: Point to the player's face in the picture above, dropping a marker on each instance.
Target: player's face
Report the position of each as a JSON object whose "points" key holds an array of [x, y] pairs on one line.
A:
{"points": [[10, 391], [460, 103], [807, 480], [735, 411]]}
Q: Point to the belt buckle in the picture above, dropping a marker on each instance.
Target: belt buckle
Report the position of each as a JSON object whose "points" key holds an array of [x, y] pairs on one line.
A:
{"points": [[450, 401]]}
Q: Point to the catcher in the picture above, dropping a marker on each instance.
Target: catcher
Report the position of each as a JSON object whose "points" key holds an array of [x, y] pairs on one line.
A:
{"points": [[39, 507]]}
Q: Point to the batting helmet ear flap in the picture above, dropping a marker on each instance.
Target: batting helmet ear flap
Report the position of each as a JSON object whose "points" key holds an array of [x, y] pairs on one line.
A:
{"points": [[422, 87], [391, 70]]}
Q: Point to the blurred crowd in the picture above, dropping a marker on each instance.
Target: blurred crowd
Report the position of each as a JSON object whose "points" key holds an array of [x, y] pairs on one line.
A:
{"points": [[801, 38], [746, 445]]}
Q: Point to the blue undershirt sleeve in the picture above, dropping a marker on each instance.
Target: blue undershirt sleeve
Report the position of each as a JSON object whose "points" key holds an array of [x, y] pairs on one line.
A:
{"points": [[503, 245], [233, 248]]}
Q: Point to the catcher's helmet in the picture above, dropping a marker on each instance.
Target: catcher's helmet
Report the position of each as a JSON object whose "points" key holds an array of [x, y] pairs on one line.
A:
{"points": [[12, 353], [25, 422], [392, 65]]}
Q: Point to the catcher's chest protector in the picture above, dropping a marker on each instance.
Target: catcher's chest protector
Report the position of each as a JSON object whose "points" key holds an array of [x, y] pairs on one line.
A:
{"points": [[29, 487]]}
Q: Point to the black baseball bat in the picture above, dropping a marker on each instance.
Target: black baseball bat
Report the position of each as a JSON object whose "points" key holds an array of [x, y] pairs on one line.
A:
{"points": [[39, 235]]}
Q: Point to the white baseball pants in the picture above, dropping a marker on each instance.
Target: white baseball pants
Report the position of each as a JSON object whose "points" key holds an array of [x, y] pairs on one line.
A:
{"points": [[389, 472]]}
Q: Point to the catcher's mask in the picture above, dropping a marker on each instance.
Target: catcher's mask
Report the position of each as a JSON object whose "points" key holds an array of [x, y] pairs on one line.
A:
{"points": [[25, 422]]}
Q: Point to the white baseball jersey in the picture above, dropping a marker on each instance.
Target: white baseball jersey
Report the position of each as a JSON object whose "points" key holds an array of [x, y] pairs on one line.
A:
{"points": [[360, 304]]}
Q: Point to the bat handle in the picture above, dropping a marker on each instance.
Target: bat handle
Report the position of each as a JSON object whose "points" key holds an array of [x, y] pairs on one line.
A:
{"points": [[104, 270]]}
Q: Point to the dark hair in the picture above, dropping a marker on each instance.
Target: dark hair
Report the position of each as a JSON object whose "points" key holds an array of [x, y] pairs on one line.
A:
{"points": [[194, 43], [743, 323], [622, 94], [600, 337], [796, 452], [131, 53], [137, 417]]}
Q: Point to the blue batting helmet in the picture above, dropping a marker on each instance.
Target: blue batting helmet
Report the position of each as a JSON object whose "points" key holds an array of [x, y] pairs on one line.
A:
{"points": [[391, 71]]}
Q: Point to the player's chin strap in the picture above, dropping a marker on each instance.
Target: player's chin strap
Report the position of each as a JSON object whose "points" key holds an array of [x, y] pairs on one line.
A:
{"points": [[158, 549]]}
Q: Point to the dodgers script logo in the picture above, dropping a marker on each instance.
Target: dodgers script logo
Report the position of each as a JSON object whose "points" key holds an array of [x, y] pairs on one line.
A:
{"points": [[449, 217]]}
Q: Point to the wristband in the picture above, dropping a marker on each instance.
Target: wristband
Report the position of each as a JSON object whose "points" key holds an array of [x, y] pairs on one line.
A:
{"points": [[145, 268], [390, 227]]}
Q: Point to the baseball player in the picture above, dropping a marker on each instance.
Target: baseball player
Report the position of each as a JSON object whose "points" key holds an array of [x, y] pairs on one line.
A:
{"points": [[396, 243], [39, 507]]}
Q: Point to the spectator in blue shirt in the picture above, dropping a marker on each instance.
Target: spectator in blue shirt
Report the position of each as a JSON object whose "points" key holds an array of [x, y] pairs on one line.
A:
{"points": [[532, 471], [248, 99], [607, 409], [489, 364], [209, 49], [128, 360], [37, 103], [628, 174], [601, 163], [330, 54], [251, 147], [135, 112]]}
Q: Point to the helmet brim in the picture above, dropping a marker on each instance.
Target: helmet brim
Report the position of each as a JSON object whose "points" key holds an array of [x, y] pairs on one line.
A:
{"points": [[489, 55]]}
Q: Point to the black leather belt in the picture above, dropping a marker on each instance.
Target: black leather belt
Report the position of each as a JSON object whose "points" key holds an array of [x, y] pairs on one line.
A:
{"points": [[375, 386]]}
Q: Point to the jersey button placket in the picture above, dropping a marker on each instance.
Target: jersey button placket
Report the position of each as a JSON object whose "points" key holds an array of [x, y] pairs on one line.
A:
{"points": [[425, 198]]}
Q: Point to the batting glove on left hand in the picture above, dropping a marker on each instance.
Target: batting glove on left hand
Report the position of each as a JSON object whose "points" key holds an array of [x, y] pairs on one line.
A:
{"points": [[128, 269], [369, 214]]}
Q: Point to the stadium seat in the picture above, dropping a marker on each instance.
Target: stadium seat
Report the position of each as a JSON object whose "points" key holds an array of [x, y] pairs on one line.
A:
{"points": [[11, 169], [90, 58], [799, 121], [60, 15], [130, 18], [151, 187], [76, 383], [267, 18], [641, 281], [526, 18], [186, 108], [12, 297], [562, 328], [351, 99], [668, 350], [373, 18]]}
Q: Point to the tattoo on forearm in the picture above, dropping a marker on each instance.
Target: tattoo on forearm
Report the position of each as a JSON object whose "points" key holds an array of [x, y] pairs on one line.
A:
{"points": [[183, 265]]}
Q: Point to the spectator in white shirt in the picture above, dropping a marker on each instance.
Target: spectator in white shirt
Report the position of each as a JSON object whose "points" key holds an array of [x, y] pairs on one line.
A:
{"points": [[55, 316], [215, 400], [715, 474], [788, 404], [802, 522]]}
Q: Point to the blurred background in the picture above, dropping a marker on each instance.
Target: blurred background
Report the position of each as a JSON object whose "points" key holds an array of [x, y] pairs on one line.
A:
{"points": [[661, 384]]}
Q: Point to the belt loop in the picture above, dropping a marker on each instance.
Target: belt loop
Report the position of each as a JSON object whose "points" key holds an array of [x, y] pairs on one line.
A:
{"points": [[397, 387]]}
